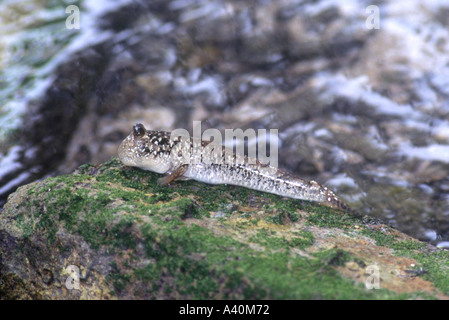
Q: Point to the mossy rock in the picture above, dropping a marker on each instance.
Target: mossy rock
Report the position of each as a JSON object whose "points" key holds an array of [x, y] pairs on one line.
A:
{"points": [[129, 238]]}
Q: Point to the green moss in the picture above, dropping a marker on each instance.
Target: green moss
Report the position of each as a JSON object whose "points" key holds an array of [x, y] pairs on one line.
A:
{"points": [[334, 257], [149, 229], [435, 268], [303, 240], [323, 216], [268, 274], [381, 238], [390, 240], [283, 217], [118, 279], [406, 246], [269, 241]]}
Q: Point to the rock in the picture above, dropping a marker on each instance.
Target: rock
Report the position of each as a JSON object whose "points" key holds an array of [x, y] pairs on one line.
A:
{"points": [[110, 232]]}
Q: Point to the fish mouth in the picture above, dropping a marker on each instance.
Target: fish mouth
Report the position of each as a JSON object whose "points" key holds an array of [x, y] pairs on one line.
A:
{"points": [[125, 151]]}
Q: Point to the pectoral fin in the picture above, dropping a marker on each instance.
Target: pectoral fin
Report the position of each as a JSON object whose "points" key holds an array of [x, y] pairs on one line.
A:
{"points": [[174, 175]]}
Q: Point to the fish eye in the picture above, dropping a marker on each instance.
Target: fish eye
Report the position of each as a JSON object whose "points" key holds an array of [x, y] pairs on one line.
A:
{"points": [[138, 130]]}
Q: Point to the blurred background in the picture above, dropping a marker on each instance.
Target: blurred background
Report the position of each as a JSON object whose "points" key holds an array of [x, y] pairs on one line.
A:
{"points": [[359, 90]]}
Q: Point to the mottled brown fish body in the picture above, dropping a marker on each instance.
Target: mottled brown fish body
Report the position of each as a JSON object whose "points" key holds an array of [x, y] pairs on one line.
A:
{"points": [[189, 158]]}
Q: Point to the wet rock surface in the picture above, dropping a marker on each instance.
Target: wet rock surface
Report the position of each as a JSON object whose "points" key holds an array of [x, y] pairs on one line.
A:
{"points": [[111, 232]]}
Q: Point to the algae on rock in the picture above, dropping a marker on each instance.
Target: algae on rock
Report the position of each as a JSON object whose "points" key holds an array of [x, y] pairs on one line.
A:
{"points": [[129, 238]]}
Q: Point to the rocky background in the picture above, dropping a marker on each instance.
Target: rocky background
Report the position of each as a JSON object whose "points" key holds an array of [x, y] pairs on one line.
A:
{"points": [[363, 111]]}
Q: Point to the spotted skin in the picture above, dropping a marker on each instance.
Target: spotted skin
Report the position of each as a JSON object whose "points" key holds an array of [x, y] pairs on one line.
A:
{"points": [[181, 158]]}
